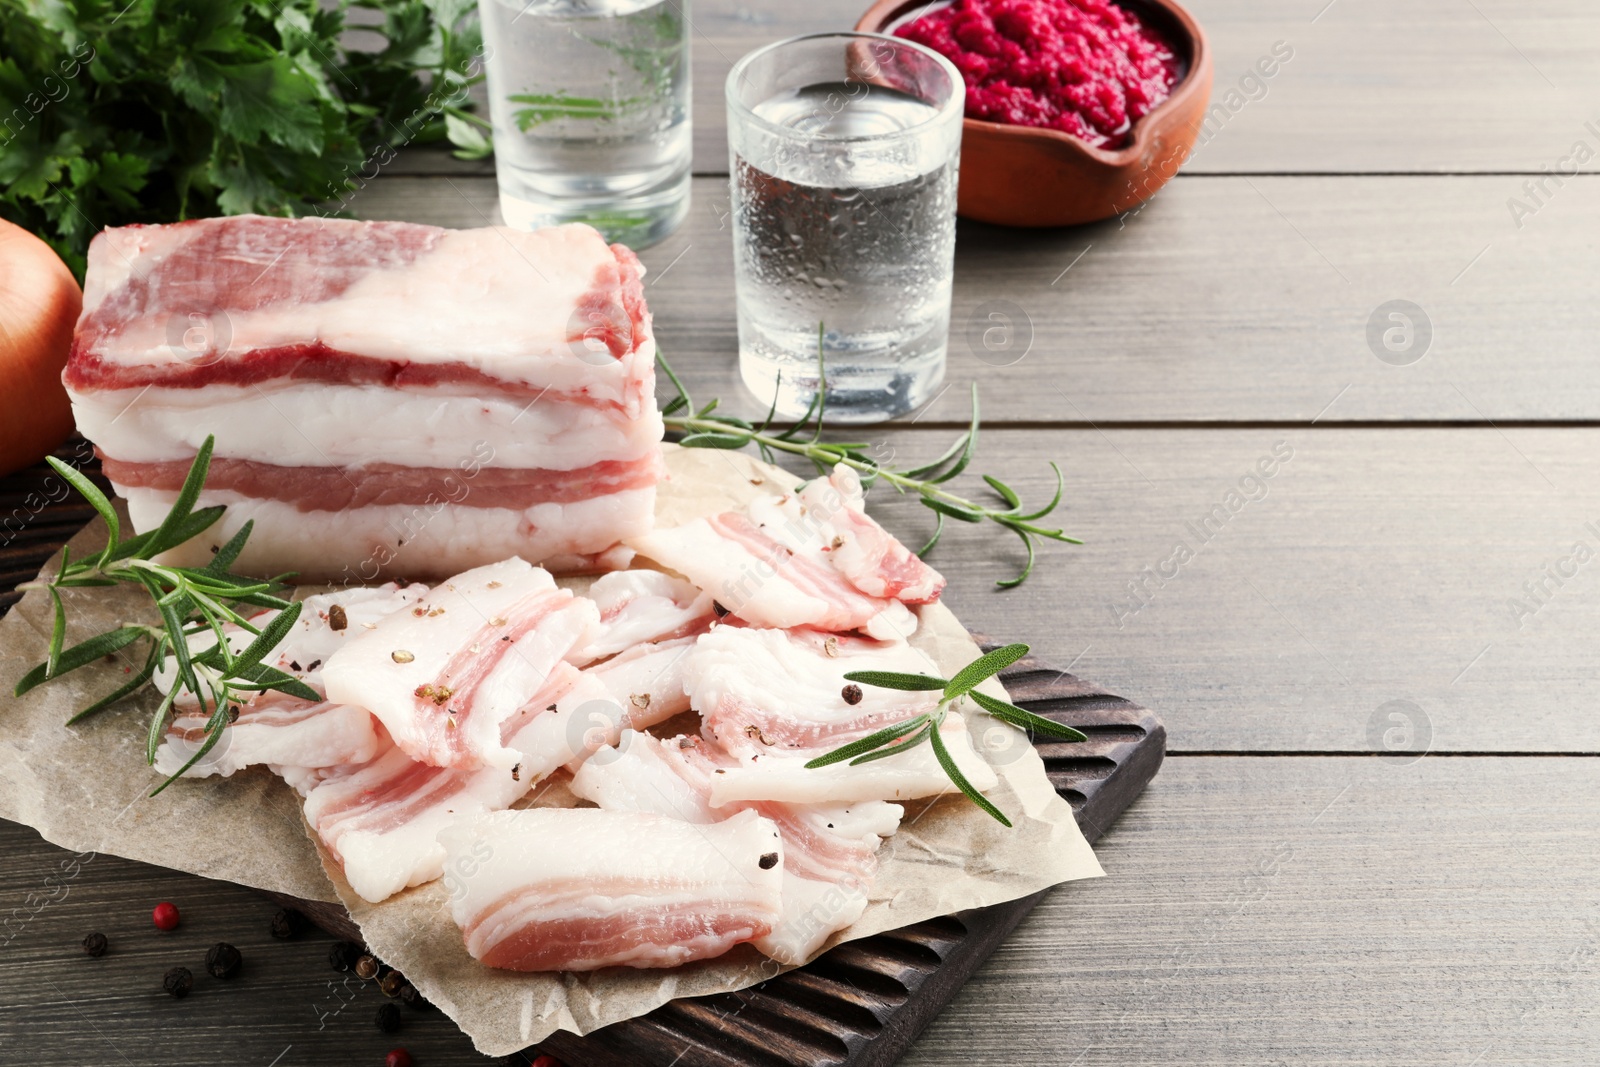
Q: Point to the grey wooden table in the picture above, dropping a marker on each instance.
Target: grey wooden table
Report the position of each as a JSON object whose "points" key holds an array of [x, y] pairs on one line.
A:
{"points": [[1294, 887]]}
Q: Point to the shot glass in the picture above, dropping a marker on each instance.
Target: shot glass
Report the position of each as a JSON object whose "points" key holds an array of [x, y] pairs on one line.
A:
{"points": [[843, 151], [590, 107]]}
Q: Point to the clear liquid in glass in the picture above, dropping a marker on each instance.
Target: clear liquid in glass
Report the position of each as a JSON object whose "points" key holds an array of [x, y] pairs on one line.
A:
{"points": [[590, 105], [857, 239]]}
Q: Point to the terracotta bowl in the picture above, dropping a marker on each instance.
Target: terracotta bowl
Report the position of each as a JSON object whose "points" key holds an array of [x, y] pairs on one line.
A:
{"points": [[1026, 176]]}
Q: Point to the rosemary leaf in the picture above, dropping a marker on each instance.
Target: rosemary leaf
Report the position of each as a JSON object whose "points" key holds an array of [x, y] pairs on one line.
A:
{"points": [[1024, 718], [158, 721], [214, 727], [229, 553], [895, 749], [1007, 494], [960, 780], [1027, 569], [81, 655], [132, 685], [868, 743], [983, 667], [1055, 500], [270, 635], [58, 635], [90, 492], [909, 683]]}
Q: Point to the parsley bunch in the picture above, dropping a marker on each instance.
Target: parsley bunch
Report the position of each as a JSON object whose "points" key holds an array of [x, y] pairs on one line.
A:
{"points": [[122, 111]]}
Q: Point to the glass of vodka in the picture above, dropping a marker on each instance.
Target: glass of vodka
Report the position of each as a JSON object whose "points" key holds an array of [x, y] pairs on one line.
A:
{"points": [[590, 105], [843, 149]]}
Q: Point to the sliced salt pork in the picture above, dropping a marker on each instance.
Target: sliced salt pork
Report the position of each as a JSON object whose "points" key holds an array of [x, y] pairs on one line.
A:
{"points": [[829, 851], [813, 558], [647, 680], [445, 674], [639, 606], [381, 820], [775, 699], [274, 728], [577, 889], [387, 398]]}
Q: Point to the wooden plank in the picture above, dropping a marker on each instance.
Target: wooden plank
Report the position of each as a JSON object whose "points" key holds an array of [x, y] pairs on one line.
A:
{"points": [[1429, 912], [1499, 85], [1374, 566], [1312, 911], [1227, 299]]}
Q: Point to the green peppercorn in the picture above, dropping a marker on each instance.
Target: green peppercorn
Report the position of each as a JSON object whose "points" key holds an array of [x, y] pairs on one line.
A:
{"points": [[390, 984]]}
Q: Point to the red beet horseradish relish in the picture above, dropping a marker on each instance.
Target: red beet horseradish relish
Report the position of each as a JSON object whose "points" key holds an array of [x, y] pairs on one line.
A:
{"points": [[1084, 67]]}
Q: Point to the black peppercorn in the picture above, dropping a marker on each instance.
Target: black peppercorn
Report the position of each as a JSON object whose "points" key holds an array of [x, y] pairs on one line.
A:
{"points": [[413, 999], [851, 694], [177, 982], [287, 923], [223, 960], [388, 1019], [95, 944], [342, 955], [389, 985], [366, 967]]}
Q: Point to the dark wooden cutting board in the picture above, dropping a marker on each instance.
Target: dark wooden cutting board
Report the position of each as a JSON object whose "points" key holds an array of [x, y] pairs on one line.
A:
{"points": [[860, 1005]]}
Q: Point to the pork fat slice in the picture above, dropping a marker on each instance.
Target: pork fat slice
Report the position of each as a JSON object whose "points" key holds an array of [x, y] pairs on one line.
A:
{"points": [[829, 851], [386, 398], [382, 819], [775, 699], [643, 606], [445, 675], [581, 888], [274, 728], [811, 559]]}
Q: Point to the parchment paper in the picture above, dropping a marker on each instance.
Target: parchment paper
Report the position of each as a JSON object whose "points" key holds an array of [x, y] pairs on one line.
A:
{"points": [[84, 788]]}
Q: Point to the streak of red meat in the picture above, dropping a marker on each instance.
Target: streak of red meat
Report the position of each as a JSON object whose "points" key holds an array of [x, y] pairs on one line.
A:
{"points": [[854, 607], [555, 944], [379, 484], [466, 670]]}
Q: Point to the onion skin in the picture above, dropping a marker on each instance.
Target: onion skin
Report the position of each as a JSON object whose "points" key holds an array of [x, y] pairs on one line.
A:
{"points": [[39, 306]]}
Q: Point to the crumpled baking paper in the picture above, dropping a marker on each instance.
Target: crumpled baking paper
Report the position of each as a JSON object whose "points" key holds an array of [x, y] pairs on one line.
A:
{"points": [[84, 788]]}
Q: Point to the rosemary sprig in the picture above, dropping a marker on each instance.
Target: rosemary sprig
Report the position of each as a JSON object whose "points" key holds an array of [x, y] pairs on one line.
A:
{"points": [[914, 731], [190, 601], [703, 429]]}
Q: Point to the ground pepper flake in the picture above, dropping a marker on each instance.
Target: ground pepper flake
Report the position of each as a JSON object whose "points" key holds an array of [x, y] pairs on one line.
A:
{"points": [[439, 694], [1085, 67]]}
